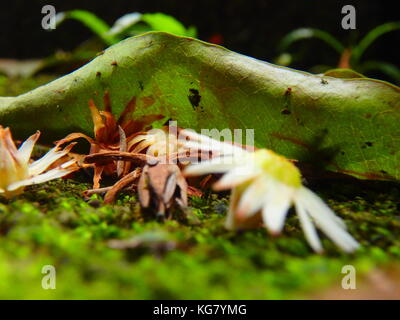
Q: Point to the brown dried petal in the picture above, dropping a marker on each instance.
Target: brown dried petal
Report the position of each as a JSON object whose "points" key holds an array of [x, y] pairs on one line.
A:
{"points": [[98, 170], [122, 148], [88, 193], [108, 156], [121, 184], [143, 188]]}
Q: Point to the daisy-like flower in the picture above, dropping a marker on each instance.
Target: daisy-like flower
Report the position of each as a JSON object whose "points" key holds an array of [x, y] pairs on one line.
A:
{"points": [[264, 187], [157, 143], [16, 169]]}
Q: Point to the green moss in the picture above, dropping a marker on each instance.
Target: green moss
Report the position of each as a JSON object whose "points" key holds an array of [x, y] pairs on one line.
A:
{"points": [[193, 258]]}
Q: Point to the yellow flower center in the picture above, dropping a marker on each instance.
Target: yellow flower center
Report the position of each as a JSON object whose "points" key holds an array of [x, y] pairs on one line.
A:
{"points": [[278, 167]]}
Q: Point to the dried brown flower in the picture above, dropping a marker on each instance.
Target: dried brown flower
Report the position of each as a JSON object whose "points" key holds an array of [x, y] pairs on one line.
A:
{"points": [[111, 134]]}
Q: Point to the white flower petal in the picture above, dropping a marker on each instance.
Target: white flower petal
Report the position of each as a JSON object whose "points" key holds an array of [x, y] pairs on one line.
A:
{"points": [[226, 149], [230, 218], [316, 203], [324, 218], [68, 163], [8, 162], [44, 162], [215, 165], [276, 207], [253, 198], [236, 176], [308, 228], [207, 143], [143, 145], [49, 175], [25, 150]]}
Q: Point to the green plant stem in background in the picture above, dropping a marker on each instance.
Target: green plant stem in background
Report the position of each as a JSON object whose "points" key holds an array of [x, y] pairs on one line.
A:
{"points": [[371, 36], [309, 33], [350, 56]]}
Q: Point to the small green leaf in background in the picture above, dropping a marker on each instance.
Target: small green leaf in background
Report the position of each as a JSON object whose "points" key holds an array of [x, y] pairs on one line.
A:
{"points": [[309, 33], [371, 36], [129, 24], [166, 23], [350, 56], [90, 20]]}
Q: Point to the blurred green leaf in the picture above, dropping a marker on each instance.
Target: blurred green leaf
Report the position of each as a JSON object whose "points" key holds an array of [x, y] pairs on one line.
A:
{"points": [[309, 33], [124, 23], [371, 36], [384, 67], [166, 23], [129, 24], [90, 20]]}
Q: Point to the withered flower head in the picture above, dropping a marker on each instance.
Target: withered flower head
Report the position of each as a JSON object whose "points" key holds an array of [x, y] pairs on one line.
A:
{"points": [[111, 134], [161, 186], [156, 143], [16, 169]]}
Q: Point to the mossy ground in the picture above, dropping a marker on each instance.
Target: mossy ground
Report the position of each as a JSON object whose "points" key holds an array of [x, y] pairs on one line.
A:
{"points": [[195, 258]]}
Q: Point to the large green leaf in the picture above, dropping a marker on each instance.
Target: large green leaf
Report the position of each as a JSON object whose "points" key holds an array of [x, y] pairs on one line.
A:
{"points": [[351, 123]]}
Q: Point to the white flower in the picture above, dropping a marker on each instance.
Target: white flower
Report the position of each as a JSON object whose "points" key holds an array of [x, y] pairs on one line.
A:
{"points": [[16, 170], [158, 143], [264, 187]]}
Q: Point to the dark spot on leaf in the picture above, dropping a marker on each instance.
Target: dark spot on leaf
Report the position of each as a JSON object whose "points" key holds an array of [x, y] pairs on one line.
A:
{"points": [[194, 98], [368, 115], [114, 63], [287, 102], [369, 144], [323, 81], [141, 85], [342, 153], [98, 74], [300, 122]]}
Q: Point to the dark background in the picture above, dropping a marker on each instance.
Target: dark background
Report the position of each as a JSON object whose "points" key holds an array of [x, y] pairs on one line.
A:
{"points": [[249, 27]]}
